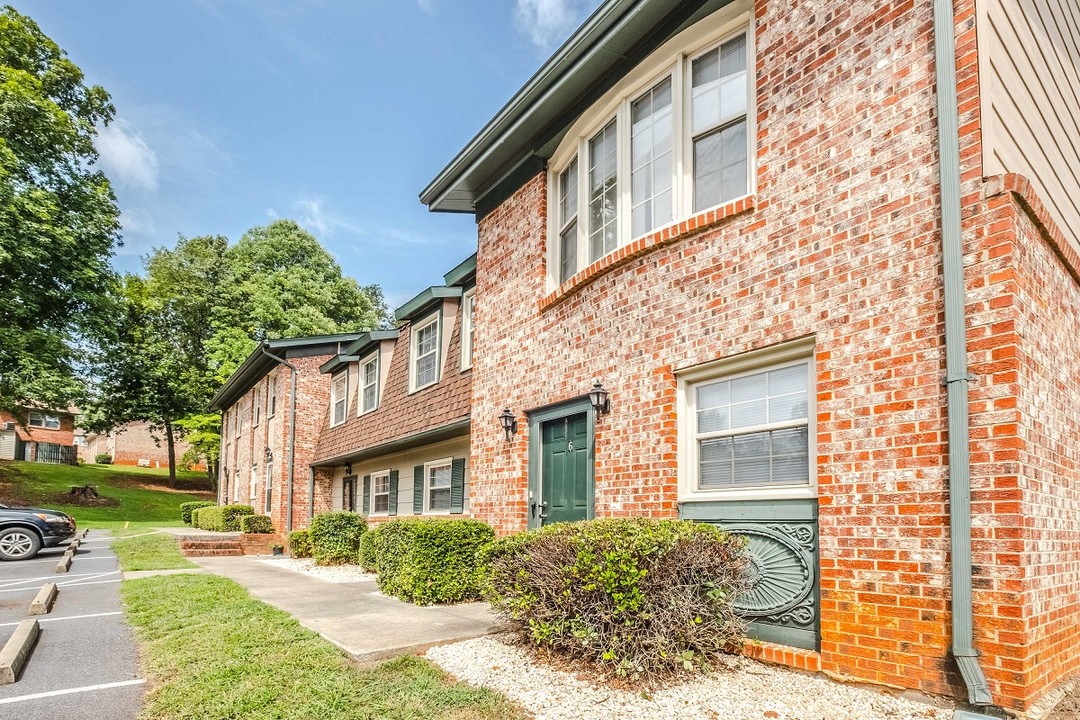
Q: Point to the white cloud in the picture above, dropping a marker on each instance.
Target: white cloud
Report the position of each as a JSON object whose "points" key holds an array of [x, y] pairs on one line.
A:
{"points": [[548, 22], [271, 213], [314, 214], [126, 157], [428, 6]]}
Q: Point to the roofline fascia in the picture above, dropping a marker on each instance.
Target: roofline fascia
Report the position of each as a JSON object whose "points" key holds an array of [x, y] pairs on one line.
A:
{"points": [[422, 301], [462, 273], [448, 431], [551, 70]]}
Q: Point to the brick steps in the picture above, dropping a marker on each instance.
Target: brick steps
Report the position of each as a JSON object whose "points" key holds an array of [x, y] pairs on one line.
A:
{"points": [[193, 547]]}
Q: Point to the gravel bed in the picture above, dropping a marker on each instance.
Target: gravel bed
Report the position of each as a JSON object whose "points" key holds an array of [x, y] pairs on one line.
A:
{"points": [[330, 573], [748, 690]]}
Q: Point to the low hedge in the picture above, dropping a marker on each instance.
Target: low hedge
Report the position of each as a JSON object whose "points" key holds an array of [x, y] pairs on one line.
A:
{"points": [[256, 524], [187, 508], [335, 538], [221, 518], [196, 515], [432, 560], [103, 459], [300, 544], [369, 550], [634, 597]]}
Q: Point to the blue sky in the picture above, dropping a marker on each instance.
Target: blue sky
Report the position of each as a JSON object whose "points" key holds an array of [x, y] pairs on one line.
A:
{"points": [[231, 113]]}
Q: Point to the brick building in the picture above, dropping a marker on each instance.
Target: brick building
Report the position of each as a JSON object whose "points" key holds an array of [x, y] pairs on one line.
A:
{"points": [[729, 213], [264, 432], [40, 436], [396, 437], [133, 444]]}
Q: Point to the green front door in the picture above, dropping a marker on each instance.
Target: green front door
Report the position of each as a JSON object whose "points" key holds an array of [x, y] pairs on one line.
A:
{"points": [[564, 463]]}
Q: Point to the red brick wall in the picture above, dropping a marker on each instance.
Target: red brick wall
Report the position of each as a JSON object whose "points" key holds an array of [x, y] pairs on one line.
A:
{"points": [[241, 452], [841, 241], [64, 436], [134, 442]]}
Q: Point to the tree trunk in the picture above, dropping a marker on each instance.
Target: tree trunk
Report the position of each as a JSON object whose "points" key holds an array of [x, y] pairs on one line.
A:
{"points": [[212, 473], [172, 452]]}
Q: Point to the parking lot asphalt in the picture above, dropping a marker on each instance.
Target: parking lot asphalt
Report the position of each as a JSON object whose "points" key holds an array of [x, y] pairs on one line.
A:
{"points": [[85, 664]]}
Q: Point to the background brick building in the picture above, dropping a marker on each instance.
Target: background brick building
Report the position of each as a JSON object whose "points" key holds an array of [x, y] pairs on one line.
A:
{"points": [[258, 425]]}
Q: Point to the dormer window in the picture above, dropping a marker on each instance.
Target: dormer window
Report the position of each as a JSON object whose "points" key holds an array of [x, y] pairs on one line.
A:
{"points": [[369, 384], [670, 141], [339, 397], [425, 354]]}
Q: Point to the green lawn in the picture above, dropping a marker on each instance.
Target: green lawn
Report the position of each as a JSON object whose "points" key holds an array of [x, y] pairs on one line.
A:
{"points": [[212, 651], [158, 551], [131, 494]]}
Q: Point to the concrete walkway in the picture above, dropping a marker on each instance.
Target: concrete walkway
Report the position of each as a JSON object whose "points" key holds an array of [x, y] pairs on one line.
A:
{"points": [[190, 532], [355, 616]]}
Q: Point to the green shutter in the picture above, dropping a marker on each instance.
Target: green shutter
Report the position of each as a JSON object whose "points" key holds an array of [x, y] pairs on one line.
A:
{"points": [[418, 490], [367, 496], [393, 492], [457, 486]]}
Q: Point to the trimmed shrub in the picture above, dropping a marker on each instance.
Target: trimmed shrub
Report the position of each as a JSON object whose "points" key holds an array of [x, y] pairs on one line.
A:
{"points": [[187, 508], [221, 518], [256, 524], [335, 538], [433, 560], [369, 549], [634, 597], [196, 520], [103, 459], [300, 544]]}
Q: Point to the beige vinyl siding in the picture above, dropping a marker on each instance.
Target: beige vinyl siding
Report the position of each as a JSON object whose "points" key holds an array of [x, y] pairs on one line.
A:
{"points": [[1030, 68]]}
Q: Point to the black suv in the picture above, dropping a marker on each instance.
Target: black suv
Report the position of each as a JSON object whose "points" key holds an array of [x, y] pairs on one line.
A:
{"points": [[24, 531]]}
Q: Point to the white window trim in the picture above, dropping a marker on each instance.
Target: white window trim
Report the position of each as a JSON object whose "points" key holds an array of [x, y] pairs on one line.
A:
{"points": [[672, 59], [791, 353], [467, 301], [254, 489], [256, 408], [372, 358], [414, 334], [271, 396], [44, 419], [448, 462], [335, 399], [380, 474]]}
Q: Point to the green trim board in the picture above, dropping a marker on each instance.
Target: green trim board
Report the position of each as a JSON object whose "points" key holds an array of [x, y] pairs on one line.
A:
{"points": [[258, 363], [536, 420], [449, 431], [783, 603], [463, 273], [423, 301]]}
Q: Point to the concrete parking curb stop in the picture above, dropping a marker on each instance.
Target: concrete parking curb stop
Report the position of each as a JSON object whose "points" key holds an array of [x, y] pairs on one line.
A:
{"points": [[17, 651], [64, 564], [43, 601]]}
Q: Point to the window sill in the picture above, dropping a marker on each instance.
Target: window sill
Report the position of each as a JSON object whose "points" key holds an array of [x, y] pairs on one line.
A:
{"points": [[665, 236], [791, 492]]}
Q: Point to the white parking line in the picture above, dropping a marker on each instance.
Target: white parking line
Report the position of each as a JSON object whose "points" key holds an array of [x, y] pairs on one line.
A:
{"points": [[12, 583], [70, 691], [70, 617], [54, 560]]}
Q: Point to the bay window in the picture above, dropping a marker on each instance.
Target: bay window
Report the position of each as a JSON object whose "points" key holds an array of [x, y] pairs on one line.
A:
{"points": [[674, 139]]}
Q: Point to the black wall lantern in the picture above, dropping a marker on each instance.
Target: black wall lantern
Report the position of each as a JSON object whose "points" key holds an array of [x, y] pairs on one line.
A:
{"points": [[508, 422], [269, 455], [598, 396], [348, 468]]}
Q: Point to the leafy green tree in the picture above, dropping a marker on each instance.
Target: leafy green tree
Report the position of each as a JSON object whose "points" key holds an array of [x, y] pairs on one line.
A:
{"points": [[281, 282], [145, 374], [200, 311], [202, 431], [59, 222]]}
